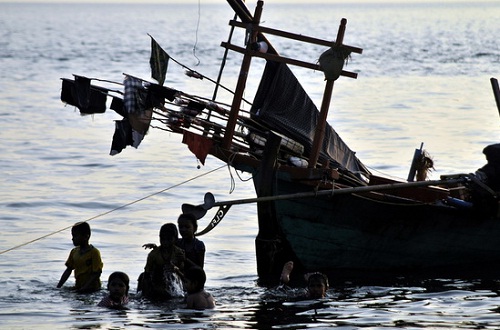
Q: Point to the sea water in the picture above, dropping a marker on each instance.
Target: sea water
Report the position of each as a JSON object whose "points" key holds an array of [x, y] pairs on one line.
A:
{"points": [[424, 77]]}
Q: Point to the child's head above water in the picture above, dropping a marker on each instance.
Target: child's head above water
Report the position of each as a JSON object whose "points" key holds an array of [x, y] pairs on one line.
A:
{"points": [[80, 233], [187, 224], [196, 279], [168, 233], [118, 277], [317, 285], [81, 228]]}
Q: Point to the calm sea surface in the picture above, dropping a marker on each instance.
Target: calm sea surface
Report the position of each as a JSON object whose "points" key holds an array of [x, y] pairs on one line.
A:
{"points": [[423, 77]]}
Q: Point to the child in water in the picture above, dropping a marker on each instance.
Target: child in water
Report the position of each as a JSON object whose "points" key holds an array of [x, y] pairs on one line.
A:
{"points": [[197, 297], [85, 259], [192, 246], [164, 267], [118, 286], [317, 283]]}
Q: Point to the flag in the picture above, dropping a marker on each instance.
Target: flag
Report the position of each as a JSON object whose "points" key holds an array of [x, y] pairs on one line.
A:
{"points": [[199, 145], [158, 61]]}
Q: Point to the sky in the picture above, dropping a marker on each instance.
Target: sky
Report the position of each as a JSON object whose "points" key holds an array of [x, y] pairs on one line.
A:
{"points": [[223, 1]]}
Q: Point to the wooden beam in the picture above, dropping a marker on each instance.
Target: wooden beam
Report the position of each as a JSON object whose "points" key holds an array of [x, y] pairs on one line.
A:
{"points": [[240, 86], [319, 134], [282, 59], [343, 191], [294, 36], [496, 92]]}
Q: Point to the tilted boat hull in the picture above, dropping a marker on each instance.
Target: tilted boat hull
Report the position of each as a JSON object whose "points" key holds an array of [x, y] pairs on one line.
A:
{"points": [[367, 238]]}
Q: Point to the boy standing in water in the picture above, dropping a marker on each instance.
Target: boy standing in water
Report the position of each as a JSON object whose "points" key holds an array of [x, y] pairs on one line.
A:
{"points": [[163, 267], [85, 259], [192, 246]]}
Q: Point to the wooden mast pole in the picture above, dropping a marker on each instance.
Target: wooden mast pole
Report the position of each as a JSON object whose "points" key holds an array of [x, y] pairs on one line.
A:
{"points": [[242, 79], [325, 105], [496, 92]]}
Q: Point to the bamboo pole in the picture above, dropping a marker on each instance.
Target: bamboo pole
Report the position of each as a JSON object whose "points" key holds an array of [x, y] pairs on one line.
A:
{"points": [[344, 191], [325, 105], [240, 87], [496, 92]]}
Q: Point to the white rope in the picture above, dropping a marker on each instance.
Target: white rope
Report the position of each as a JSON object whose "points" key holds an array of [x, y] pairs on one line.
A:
{"points": [[110, 211]]}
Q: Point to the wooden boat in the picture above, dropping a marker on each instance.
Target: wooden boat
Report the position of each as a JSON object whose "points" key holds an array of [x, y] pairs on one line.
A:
{"points": [[317, 203]]}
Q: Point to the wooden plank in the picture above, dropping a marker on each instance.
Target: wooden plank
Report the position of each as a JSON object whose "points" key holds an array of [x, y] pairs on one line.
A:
{"points": [[282, 59], [293, 36]]}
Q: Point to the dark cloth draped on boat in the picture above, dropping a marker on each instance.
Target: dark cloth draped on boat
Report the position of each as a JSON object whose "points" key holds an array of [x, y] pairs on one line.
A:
{"points": [[122, 137], [155, 98], [158, 62], [158, 94], [80, 93], [117, 105], [125, 135], [282, 104], [137, 108]]}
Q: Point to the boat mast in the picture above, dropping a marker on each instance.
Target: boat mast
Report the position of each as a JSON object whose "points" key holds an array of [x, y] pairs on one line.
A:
{"points": [[242, 79], [319, 135]]}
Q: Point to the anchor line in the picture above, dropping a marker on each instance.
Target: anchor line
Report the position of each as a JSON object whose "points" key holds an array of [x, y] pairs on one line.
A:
{"points": [[113, 210]]}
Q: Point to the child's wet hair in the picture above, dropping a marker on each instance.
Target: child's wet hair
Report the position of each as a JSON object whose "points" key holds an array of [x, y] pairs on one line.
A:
{"points": [[189, 217], [169, 230], [81, 228], [120, 276], [196, 274], [318, 276]]}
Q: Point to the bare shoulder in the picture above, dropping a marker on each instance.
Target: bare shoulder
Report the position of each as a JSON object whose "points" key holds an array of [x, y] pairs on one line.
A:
{"points": [[210, 301], [200, 300]]}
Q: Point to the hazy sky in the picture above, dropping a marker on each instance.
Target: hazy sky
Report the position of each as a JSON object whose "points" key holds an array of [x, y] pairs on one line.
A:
{"points": [[249, 2]]}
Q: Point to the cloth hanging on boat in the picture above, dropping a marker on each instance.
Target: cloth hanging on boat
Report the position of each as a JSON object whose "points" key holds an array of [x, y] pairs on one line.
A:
{"points": [[124, 136], [140, 121], [138, 103], [332, 61], [135, 94], [158, 92], [117, 105], [158, 62], [282, 104], [199, 145], [156, 96], [80, 93]]}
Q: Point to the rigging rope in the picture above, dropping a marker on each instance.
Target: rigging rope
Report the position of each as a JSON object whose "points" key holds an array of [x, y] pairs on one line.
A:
{"points": [[113, 210], [197, 28]]}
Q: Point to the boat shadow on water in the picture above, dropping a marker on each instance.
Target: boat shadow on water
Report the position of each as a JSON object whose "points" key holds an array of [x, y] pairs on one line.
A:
{"points": [[406, 304]]}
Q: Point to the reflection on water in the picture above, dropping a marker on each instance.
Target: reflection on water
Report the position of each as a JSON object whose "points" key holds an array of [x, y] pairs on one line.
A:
{"points": [[447, 304]]}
